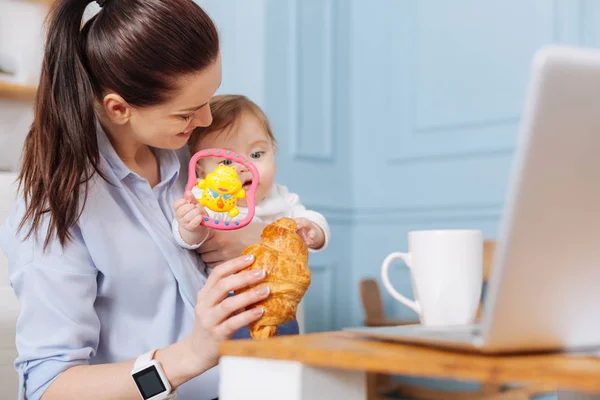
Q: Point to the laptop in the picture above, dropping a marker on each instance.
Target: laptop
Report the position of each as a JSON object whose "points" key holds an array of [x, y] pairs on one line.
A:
{"points": [[544, 289]]}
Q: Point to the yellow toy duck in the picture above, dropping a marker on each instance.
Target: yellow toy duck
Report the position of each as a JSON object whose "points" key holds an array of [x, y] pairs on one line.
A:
{"points": [[221, 189]]}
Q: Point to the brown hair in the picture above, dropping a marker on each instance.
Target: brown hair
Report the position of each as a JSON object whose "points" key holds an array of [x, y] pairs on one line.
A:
{"points": [[136, 48], [226, 110]]}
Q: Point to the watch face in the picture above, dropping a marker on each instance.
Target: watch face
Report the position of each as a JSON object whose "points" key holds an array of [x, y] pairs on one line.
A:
{"points": [[148, 382]]}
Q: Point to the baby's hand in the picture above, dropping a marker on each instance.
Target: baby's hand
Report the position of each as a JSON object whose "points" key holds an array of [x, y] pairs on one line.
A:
{"points": [[189, 214], [311, 233]]}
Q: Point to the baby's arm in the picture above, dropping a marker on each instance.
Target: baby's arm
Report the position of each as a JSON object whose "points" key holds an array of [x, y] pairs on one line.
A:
{"points": [[312, 234], [187, 228], [312, 226]]}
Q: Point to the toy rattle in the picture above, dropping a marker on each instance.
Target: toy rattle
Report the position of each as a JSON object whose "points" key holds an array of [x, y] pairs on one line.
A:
{"points": [[222, 187]]}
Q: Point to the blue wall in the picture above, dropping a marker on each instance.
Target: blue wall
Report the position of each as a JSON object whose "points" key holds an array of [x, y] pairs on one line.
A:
{"points": [[392, 115], [437, 91], [291, 57]]}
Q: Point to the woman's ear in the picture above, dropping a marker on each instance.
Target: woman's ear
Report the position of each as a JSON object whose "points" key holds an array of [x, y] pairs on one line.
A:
{"points": [[116, 109]]}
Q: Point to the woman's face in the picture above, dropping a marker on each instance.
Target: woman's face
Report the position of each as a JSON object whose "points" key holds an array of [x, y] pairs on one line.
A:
{"points": [[169, 125]]}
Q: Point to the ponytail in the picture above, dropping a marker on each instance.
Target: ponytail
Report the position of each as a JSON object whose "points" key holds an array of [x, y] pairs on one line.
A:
{"points": [[60, 151], [136, 48]]}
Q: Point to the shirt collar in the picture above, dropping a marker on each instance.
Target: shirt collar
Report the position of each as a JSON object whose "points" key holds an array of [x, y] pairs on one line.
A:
{"points": [[168, 160], [107, 151], [169, 164]]}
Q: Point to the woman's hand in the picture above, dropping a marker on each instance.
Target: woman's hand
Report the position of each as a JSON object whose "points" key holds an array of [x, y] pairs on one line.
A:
{"points": [[218, 315], [226, 245]]}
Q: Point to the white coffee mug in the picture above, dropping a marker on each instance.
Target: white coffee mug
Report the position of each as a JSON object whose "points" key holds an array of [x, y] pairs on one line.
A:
{"points": [[446, 270]]}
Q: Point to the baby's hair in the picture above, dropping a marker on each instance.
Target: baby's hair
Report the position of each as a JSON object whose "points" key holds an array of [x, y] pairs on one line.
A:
{"points": [[226, 110]]}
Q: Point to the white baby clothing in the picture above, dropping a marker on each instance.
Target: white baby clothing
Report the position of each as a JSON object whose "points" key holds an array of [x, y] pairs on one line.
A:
{"points": [[278, 203]]}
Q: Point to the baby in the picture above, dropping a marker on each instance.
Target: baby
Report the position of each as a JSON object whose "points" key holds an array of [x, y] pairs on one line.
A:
{"points": [[241, 126]]}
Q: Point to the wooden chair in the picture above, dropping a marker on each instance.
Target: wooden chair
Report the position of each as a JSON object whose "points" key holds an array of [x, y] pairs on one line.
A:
{"points": [[375, 316], [381, 387]]}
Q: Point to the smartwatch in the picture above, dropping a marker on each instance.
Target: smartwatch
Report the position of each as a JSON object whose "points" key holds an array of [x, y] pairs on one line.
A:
{"points": [[150, 378]]}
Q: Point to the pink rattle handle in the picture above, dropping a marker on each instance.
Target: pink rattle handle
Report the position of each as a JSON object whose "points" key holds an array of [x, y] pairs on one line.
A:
{"points": [[250, 194]]}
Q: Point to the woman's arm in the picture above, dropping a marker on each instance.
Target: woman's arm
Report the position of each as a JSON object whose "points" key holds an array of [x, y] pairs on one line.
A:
{"points": [[216, 320], [59, 330], [113, 381]]}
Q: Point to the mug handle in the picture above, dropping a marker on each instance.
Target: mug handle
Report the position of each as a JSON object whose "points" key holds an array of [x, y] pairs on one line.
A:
{"points": [[413, 305]]}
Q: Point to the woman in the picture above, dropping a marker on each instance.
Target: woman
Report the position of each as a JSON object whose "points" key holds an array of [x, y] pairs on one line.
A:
{"points": [[91, 257]]}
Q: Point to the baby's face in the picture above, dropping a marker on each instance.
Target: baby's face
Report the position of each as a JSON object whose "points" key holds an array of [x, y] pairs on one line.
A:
{"points": [[248, 137]]}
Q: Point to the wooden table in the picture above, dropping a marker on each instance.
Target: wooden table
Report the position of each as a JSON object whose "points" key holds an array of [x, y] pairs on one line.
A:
{"points": [[333, 365]]}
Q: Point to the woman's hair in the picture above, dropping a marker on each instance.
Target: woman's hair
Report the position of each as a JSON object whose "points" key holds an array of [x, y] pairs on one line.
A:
{"points": [[226, 110], [136, 48]]}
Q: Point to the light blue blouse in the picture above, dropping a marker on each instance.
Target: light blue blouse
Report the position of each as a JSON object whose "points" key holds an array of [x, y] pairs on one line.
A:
{"points": [[121, 287]]}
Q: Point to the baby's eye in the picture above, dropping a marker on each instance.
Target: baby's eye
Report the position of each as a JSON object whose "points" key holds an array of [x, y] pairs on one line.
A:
{"points": [[257, 154], [186, 118], [227, 162]]}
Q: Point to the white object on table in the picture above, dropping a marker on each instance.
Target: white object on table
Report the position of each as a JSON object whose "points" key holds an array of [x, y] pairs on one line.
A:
{"points": [[446, 274], [261, 379]]}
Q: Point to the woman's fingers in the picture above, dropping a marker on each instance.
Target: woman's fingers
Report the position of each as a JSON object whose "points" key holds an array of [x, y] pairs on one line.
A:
{"points": [[236, 322], [221, 314], [228, 307], [231, 283], [226, 269]]}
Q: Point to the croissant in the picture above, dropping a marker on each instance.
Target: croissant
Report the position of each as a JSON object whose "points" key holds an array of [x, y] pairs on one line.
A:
{"points": [[283, 255]]}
